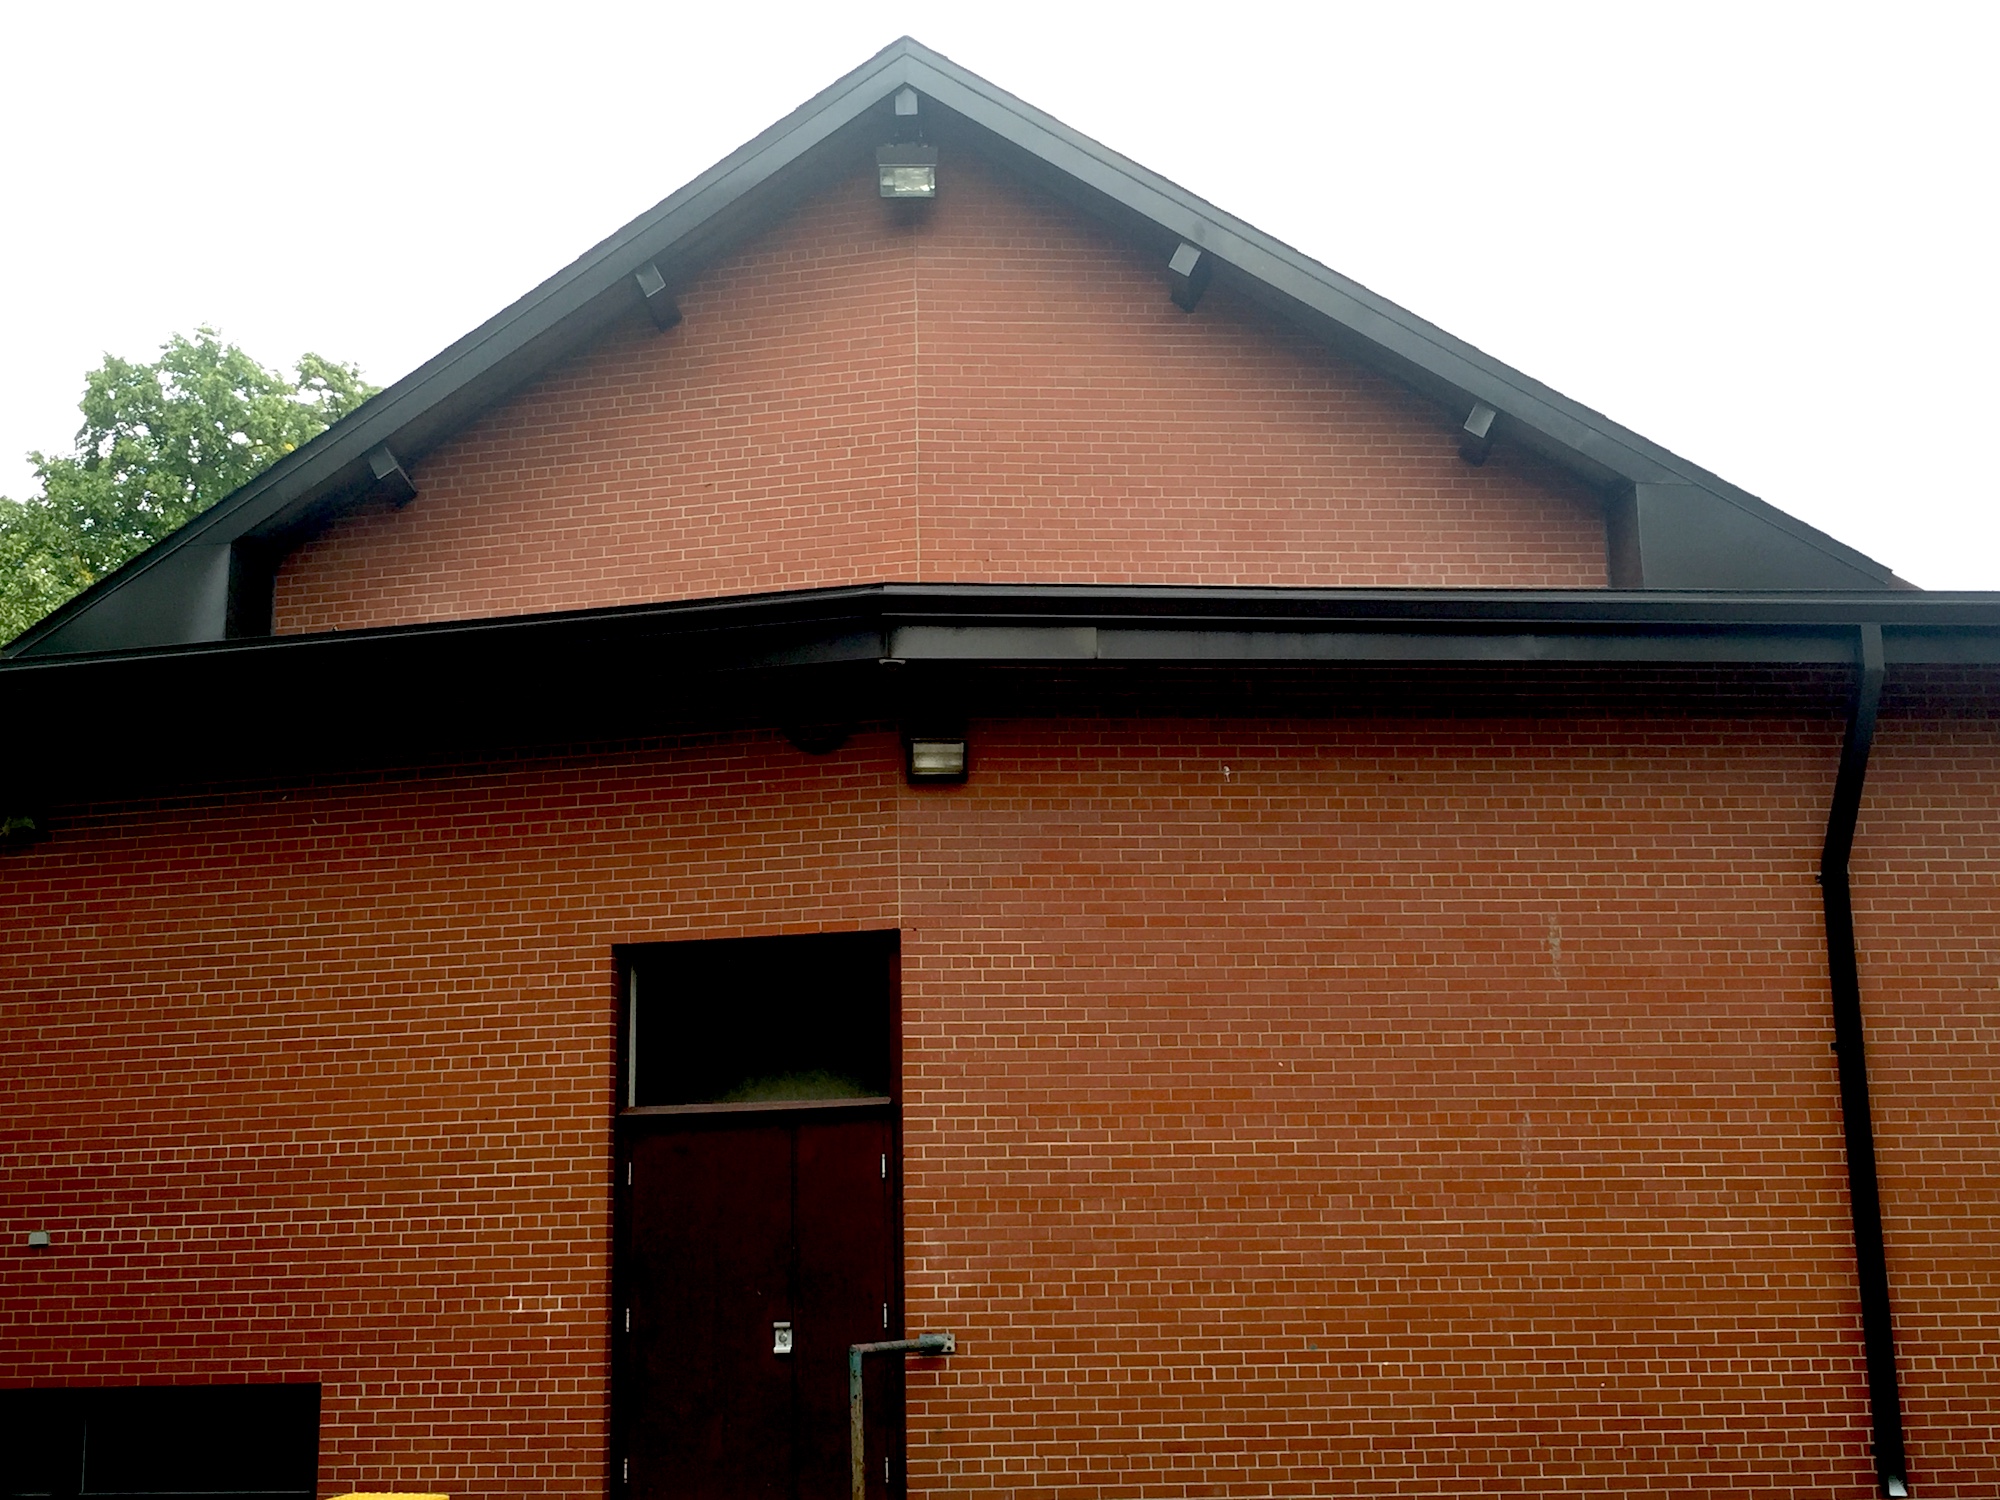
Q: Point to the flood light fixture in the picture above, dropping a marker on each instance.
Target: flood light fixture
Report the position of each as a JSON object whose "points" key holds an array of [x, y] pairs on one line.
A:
{"points": [[936, 762], [907, 169]]}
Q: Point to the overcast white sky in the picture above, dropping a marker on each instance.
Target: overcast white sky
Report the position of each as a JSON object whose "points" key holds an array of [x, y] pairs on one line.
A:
{"points": [[1760, 235]]}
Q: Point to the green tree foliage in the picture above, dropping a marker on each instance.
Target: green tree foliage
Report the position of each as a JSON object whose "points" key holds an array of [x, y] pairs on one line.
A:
{"points": [[160, 443]]}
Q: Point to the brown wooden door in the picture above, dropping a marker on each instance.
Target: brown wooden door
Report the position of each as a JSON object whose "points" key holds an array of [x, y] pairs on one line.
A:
{"points": [[733, 1224]]}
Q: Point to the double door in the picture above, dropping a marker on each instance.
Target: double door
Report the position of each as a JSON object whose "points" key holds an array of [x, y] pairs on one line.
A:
{"points": [[754, 1248]]}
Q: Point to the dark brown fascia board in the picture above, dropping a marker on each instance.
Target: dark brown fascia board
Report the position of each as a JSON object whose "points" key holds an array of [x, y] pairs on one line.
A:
{"points": [[464, 692], [1031, 623], [577, 301]]}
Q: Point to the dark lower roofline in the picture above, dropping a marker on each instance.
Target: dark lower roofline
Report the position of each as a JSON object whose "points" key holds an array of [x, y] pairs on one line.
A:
{"points": [[162, 720], [1195, 625], [290, 704]]}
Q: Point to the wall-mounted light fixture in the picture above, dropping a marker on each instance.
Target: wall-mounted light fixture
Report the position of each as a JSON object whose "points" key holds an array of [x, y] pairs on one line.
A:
{"points": [[936, 762], [907, 169]]}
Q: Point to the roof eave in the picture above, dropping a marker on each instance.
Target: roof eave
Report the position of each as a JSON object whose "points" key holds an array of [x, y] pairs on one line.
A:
{"points": [[467, 691]]}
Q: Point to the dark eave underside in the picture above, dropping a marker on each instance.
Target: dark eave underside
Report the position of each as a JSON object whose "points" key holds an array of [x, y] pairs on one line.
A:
{"points": [[299, 704]]}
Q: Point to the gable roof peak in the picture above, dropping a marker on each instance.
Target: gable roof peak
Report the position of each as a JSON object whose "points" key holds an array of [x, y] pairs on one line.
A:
{"points": [[1672, 523]]}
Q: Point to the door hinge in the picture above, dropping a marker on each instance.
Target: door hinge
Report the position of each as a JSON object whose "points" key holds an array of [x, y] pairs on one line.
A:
{"points": [[628, 1174], [885, 1468], [625, 1472], [885, 1166], [628, 1320], [885, 1315]]}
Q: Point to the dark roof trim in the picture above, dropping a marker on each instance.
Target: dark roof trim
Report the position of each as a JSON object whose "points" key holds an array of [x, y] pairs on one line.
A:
{"points": [[155, 720], [1000, 623], [173, 597]]}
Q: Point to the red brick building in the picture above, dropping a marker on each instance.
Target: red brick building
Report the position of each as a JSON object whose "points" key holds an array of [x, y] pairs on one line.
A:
{"points": [[487, 974]]}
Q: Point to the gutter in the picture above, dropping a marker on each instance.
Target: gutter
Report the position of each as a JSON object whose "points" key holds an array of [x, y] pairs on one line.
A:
{"points": [[220, 709], [1885, 1407]]}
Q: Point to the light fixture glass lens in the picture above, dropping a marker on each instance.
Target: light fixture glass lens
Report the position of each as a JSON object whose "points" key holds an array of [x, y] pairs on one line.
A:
{"points": [[905, 181], [907, 169], [937, 757]]}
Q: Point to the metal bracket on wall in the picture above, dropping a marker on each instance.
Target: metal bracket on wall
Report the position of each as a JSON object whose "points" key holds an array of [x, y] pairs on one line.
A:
{"points": [[1475, 438], [391, 479], [660, 304], [923, 1343], [1188, 275]]}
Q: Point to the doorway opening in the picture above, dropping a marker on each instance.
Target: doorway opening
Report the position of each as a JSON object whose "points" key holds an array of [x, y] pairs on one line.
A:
{"points": [[758, 1219]]}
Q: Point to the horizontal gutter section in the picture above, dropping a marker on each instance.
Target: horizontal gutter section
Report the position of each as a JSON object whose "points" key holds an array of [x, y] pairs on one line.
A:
{"points": [[336, 701], [1134, 624], [1168, 646]]}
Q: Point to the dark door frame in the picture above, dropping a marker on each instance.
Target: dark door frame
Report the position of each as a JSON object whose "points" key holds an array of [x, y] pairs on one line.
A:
{"points": [[625, 1119]]}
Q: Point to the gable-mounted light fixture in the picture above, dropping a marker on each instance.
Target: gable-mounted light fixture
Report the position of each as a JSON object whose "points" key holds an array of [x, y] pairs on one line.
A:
{"points": [[906, 167], [907, 170]]}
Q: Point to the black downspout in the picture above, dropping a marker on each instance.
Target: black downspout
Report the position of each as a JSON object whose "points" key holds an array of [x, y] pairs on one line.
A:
{"points": [[1885, 1407]]}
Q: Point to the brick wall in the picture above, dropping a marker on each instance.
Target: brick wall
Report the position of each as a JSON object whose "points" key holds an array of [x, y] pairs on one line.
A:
{"points": [[1926, 871], [316, 1082], [1364, 1109], [991, 391], [1328, 1107]]}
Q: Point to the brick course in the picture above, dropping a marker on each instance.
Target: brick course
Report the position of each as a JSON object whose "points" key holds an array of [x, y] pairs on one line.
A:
{"points": [[992, 392], [1309, 1107]]}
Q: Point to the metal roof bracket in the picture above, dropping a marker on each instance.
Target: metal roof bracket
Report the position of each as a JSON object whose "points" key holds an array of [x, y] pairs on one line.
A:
{"points": [[660, 304], [1475, 438], [391, 480], [1189, 270]]}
